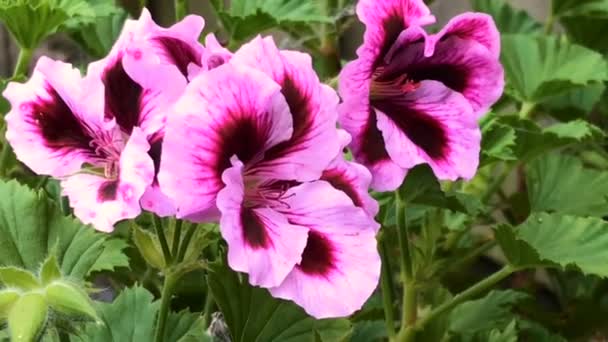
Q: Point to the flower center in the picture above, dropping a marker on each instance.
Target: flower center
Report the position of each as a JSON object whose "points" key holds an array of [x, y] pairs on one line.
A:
{"points": [[268, 193], [384, 86], [108, 148]]}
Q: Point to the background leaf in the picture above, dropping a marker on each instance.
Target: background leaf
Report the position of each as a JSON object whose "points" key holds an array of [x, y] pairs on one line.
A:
{"points": [[253, 315], [31, 226], [539, 67], [558, 182], [507, 18]]}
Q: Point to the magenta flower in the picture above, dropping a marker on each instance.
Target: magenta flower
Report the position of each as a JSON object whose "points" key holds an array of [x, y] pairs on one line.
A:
{"points": [[56, 124], [250, 146], [144, 74], [412, 98]]}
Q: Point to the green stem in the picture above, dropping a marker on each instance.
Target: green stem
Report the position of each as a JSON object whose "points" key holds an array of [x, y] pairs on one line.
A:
{"points": [[526, 109], [23, 62], [472, 292], [386, 284], [207, 309], [410, 305], [158, 226], [181, 9], [4, 157], [184, 246], [165, 305], [486, 246], [177, 236]]}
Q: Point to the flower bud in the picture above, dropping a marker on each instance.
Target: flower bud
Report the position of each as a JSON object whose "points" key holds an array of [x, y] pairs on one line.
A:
{"points": [[68, 299], [8, 297], [27, 317]]}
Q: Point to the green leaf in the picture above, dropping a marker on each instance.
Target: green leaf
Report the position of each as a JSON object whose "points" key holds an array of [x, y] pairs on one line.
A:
{"points": [[253, 315], [98, 36], [31, 21], [592, 8], [245, 18], [27, 317], [31, 226], [369, 331], [507, 18], [498, 141], [68, 299], [4, 105], [8, 297], [566, 241], [149, 247], [558, 182], [587, 31], [50, 270], [575, 103], [485, 314], [509, 334], [539, 67], [132, 317], [518, 252], [422, 188], [18, 278]]}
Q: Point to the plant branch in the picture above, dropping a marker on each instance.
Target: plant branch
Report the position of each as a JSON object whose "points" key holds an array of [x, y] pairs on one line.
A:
{"points": [[158, 226], [386, 284], [184, 246], [472, 292], [23, 62], [177, 236], [165, 305], [409, 305]]}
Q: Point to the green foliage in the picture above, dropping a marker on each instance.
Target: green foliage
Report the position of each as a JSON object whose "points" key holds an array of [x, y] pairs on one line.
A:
{"points": [[498, 141], [132, 317], [27, 318], [253, 315], [494, 311], [246, 18], [560, 183], [540, 67], [507, 18], [556, 239], [31, 21], [99, 34], [31, 226]]}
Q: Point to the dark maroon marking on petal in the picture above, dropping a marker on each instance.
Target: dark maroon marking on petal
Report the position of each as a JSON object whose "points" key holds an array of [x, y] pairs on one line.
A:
{"points": [[154, 152], [453, 76], [393, 26], [372, 146], [317, 258], [423, 130], [180, 53], [107, 191], [242, 137], [302, 115], [254, 232], [59, 126], [339, 181], [122, 96]]}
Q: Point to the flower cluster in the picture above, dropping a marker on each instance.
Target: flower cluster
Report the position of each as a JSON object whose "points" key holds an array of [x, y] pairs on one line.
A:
{"points": [[250, 138]]}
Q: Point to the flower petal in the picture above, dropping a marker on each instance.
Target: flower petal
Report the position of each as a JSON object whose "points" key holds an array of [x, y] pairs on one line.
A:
{"points": [[312, 105], [464, 66], [385, 20], [103, 202], [230, 110], [433, 125], [354, 180], [261, 242], [368, 146], [54, 119], [340, 266], [478, 27]]}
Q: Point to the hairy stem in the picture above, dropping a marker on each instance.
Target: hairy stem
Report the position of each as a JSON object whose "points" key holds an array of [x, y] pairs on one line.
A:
{"points": [[472, 292], [165, 305], [184, 247], [23, 62], [177, 236], [158, 226], [386, 284], [410, 304]]}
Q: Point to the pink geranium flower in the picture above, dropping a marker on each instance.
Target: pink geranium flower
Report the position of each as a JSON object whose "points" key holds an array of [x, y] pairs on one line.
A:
{"points": [[413, 98], [250, 145]]}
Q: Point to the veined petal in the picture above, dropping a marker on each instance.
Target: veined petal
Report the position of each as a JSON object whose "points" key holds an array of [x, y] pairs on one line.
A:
{"points": [[340, 266], [215, 54], [103, 202], [314, 142], [54, 119], [261, 242], [385, 20], [230, 110], [368, 146], [465, 66], [154, 199], [478, 27], [433, 125]]}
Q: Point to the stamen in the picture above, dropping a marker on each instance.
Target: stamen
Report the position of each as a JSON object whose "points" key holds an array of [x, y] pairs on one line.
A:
{"points": [[384, 88]]}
